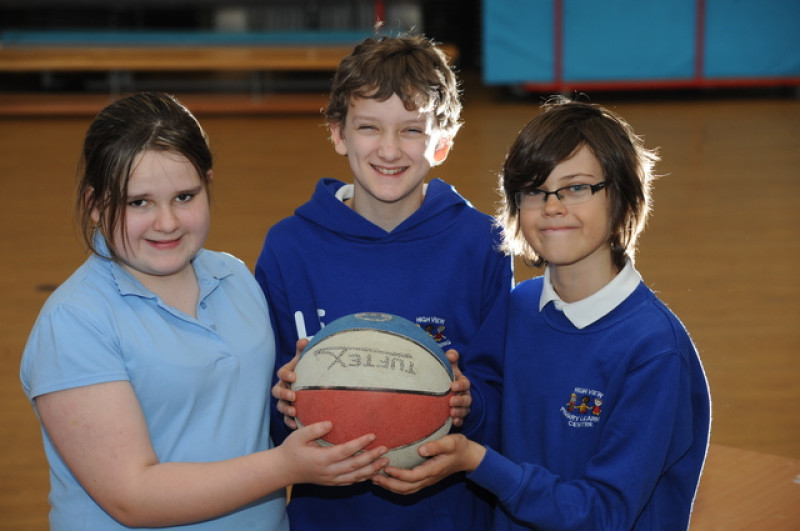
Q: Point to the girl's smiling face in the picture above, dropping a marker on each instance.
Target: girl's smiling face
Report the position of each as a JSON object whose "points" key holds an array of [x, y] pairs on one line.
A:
{"points": [[167, 216]]}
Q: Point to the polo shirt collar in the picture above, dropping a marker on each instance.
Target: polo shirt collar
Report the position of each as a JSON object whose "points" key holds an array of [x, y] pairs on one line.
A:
{"points": [[584, 312], [208, 272]]}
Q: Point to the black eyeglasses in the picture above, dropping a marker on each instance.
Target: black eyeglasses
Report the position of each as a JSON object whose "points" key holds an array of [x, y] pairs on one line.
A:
{"points": [[573, 194]]}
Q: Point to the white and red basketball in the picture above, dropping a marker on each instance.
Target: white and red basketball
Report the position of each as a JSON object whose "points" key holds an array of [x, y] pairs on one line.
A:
{"points": [[376, 373]]}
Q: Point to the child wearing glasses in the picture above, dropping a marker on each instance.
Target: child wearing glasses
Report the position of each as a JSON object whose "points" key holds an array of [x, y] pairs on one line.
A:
{"points": [[605, 407]]}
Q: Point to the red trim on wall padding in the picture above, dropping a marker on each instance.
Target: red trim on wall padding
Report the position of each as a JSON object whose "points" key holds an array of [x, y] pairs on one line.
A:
{"points": [[380, 11], [570, 86], [700, 40], [558, 44]]}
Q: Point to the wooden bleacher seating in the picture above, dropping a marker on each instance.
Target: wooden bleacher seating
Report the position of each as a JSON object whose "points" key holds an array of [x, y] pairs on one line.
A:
{"points": [[131, 52]]}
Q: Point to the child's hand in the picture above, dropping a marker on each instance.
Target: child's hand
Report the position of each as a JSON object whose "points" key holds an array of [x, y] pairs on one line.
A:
{"points": [[343, 464], [461, 399], [282, 390], [448, 455]]}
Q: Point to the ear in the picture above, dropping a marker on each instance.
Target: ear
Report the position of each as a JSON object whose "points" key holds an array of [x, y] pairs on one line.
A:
{"points": [[337, 136], [95, 212], [442, 149], [210, 176]]}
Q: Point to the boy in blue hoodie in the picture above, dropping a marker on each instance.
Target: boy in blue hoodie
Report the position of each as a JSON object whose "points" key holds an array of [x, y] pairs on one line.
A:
{"points": [[392, 242], [605, 406]]}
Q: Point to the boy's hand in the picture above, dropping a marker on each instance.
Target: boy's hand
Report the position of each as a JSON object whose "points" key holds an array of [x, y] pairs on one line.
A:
{"points": [[448, 455], [282, 390], [461, 399]]}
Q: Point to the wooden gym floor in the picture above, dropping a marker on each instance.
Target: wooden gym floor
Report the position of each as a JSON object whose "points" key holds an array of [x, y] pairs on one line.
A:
{"points": [[721, 250]]}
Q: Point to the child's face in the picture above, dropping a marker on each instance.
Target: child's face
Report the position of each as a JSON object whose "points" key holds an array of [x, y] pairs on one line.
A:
{"points": [[576, 236], [166, 218], [390, 151]]}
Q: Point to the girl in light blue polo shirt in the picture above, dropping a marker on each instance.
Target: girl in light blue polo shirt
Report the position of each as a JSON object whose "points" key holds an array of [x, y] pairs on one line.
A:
{"points": [[150, 367]]}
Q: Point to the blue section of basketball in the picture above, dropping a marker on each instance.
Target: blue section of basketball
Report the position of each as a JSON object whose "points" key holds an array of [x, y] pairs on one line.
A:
{"points": [[386, 322]]}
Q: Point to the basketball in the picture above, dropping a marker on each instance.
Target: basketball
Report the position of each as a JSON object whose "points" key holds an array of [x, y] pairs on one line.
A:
{"points": [[375, 373]]}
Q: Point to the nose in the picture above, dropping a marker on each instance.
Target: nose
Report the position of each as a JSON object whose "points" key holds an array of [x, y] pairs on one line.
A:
{"points": [[389, 148], [166, 220], [553, 205]]}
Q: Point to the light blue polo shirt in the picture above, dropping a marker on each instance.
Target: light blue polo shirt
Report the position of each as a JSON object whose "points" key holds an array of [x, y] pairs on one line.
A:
{"points": [[203, 384]]}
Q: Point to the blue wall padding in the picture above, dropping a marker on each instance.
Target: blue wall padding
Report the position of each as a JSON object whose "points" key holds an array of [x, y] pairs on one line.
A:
{"points": [[618, 41], [628, 40], [749, 38], [518, 41]]}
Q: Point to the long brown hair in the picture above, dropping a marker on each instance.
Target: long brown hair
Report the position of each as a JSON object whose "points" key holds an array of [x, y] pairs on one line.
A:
{"points": [[125, 128]]}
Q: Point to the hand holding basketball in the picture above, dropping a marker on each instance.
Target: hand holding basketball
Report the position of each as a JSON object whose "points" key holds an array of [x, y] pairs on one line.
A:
{"points": [[461, 399], [377, 373], [342, 464], [282, 390], [448, 455]]}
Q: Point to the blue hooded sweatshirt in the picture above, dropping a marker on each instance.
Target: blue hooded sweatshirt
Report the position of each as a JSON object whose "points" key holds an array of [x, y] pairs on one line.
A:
{"points": [[440, 268]]}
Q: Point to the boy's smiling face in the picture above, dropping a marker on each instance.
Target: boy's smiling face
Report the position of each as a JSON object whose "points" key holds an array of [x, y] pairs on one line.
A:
{"points": [[390, 151]]}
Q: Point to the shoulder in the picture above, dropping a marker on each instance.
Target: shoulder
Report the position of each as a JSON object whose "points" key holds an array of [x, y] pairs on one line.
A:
{"points": [[322, 208], [291, 236], [672, 322], [226, 269], [442, 192], [528, 287], [653, 328], [78, 324], [220, 263], [445, 197], [91, 288], [649, 306], [525, 296], [284, 227]]}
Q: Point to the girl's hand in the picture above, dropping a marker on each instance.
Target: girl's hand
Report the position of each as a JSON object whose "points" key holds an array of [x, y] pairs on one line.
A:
{"points": [[343, 464]]}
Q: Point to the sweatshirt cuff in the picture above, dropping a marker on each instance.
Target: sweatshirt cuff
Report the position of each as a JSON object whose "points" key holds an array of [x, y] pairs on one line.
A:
{"points": [[496, 474]]}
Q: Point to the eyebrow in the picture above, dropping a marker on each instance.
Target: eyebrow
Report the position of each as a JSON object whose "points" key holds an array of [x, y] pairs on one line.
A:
{"points": [[192, 190], [573, 176], [377, 117]]}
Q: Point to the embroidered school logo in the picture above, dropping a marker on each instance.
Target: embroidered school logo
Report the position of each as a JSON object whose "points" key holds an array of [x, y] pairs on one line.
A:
{"points": [[584, 408], [435, 326]]}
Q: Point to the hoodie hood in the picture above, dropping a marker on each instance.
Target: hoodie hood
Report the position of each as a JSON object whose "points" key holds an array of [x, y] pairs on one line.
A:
{"points": [[439, 210]]}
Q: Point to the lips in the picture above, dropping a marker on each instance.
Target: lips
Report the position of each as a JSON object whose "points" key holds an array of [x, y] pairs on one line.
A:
{"points": [[556, 229], [164, 245], [389, 171]]}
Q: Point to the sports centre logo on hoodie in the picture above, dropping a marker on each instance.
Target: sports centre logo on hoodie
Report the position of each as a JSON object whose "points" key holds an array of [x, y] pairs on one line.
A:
{"points": [[584, 408], [435, 326]]}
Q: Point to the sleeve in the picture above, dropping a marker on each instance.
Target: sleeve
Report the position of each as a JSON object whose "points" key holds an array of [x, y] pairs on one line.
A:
{"points": [[482, 360], [269, 276], [636, 446], [70, 347]]}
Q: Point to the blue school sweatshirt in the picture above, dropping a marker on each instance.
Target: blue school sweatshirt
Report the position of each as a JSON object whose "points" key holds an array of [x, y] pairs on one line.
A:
{"points": [[604, 427]]}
